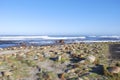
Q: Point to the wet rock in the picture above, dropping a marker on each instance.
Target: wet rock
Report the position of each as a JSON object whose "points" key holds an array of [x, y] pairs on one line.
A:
{"points": [[60, 42], [91, 58], [114, 69]]}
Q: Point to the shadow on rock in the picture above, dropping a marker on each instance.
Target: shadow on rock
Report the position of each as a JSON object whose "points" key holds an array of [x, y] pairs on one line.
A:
{"points": [[98, 69], [114, 50], [76, 59]]}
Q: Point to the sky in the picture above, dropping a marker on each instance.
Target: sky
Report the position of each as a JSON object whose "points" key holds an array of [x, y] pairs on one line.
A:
{"points": [[59, 17]]}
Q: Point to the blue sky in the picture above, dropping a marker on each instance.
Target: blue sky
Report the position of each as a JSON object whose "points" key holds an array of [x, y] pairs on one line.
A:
{"points": [[43, 17]]}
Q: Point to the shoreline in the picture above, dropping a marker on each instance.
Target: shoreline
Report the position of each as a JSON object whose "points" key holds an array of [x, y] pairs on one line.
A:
{"points": [[78, 42], [68, 61]]}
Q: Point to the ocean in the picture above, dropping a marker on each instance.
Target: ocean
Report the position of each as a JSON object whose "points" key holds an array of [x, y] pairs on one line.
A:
{"points": [[15, 40]]}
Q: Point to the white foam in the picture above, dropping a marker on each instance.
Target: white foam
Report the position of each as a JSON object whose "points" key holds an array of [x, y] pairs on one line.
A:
{"points": [[117, 37], [98, 41], [54, 38], [20, 37], [37, 37]]}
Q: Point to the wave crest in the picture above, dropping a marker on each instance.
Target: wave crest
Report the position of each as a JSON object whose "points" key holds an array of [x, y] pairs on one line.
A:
{"points": [[37, 37]]}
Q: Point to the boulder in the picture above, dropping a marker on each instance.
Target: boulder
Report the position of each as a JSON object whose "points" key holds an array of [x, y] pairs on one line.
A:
{"points": [[91, 58], [60, 41], [7, 73], [114, 69]]}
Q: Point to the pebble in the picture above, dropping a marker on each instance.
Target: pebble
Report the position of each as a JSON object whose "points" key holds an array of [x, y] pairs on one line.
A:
{"points": [[35, 57], [82, 62], [114, 69], [86, 78], [46, 55], [7, 73], [80, 79], [1, 74], [1, 49], [71, 71], [59, 58], [91, 58]]}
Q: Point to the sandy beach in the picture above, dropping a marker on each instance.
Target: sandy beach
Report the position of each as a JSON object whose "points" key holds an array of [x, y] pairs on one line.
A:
{"points": [[76, 61]]}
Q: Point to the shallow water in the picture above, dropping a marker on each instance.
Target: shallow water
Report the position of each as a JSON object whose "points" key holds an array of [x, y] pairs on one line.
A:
{"points": [[13, 40]]}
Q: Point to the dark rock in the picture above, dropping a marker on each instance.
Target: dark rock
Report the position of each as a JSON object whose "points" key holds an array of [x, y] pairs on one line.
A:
{"points": [[114, 50], [114, 69], [60, 42]]}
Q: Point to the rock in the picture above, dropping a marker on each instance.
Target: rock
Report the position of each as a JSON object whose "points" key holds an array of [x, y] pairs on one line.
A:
{"points": [[114, 69], [7, 73], [14, 67], [72, 76], [82, 62], [14, 54], [14, 48], [80, 79], [66, 62], [35, 57], [61, 76], [22, 55], [38, 54], [81, 55], [60, 42], [91, 58], [66, 48], [70, 52], [1, 49], [86, 78], [46, 55], [58, 53], [59, 58], [1, 62], [39, 69], [71, 71], [1, 74]]}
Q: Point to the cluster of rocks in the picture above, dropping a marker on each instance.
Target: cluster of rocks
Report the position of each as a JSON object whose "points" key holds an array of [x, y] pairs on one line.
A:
{"points": [[76, 61]]}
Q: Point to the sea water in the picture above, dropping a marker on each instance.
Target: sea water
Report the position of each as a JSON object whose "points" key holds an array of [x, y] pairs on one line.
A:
{"points": [[15, 40]]}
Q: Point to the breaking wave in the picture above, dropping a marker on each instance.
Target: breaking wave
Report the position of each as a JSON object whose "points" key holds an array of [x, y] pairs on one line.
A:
{"points": [[7, 41], [37, 37], [117, 37]]}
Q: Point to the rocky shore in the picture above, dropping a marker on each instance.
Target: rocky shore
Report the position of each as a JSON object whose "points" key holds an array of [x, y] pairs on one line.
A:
{"points": [[76, 61]]}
